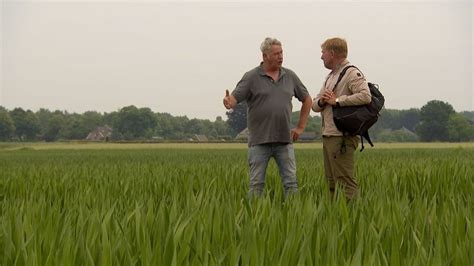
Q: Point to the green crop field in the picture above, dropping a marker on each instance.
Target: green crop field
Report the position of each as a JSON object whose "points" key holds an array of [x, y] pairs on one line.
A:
{"points": [[186, 204]]}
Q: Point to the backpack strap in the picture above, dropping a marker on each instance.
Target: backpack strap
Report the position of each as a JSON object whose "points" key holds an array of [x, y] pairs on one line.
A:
{"points": [[343, 72], [367, 137], [342, 149]]}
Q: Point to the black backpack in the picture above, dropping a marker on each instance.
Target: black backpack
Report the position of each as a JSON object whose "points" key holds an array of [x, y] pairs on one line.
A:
{"points": [[356, 120]]}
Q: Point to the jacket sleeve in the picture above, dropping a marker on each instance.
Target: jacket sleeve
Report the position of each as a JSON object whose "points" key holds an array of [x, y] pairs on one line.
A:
{"points": [[360, 93], [316, 106]]}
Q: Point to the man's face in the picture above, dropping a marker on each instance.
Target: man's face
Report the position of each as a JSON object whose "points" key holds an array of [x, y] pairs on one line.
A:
{"points": [[328, 58], [274, 58]]}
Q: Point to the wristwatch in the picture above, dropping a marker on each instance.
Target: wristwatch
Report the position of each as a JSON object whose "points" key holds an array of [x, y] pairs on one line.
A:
{"points": [[337, 102]]}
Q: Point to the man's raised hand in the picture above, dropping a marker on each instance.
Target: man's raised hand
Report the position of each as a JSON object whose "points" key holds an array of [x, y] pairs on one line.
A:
{"points": [[229, 100]]}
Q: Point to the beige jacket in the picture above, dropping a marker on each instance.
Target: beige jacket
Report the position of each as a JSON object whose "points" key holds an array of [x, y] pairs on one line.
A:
{"points": [[351, 90]]}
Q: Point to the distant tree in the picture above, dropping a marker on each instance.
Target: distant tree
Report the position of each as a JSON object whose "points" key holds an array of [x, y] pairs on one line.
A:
{"points": [[34, 128], [7, 126], [237, 118], [18, 115], [469, 115], [78, 126], [312, 125], [221, 128], [194, 126], [43, 116], [54, 127], [179, 127], [91, 120], [459, 128], [73, 128], [207, 128], [410, 118], [27, 125], [391, 119], [434, 117], [147, 119], [397, 119], [164, 127], [398, 135], [110, 118], [133, 123], [383, 122]]}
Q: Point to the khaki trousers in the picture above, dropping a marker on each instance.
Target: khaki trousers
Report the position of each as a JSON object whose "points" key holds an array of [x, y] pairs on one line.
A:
{"points": [[339, 163]]}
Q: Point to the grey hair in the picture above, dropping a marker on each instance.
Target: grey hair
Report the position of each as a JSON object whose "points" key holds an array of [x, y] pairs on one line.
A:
{"points": [[266, 46]]}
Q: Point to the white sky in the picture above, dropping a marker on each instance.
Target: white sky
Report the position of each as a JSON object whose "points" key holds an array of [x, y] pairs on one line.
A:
{"points": [[179, 57]]}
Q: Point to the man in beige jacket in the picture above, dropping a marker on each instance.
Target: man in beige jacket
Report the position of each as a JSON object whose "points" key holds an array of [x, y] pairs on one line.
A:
{"points": [[352, 90]]}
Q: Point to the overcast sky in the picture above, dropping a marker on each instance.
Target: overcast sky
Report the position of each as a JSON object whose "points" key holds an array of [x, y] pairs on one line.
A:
{"points": [[180, 56]]}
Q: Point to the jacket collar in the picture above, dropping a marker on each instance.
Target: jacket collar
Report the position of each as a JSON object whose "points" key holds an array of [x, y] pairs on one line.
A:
{"points": [[339, 67]]}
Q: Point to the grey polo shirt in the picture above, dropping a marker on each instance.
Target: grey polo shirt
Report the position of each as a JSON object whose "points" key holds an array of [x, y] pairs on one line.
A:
{"points": [[269, 104]]}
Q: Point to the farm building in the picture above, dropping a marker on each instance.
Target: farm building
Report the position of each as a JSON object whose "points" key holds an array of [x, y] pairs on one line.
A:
{"points": [[243, 135], [201, 138], [308, 136], [100, 134]]}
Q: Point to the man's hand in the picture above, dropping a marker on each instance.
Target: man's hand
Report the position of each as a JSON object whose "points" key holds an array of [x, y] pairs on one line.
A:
{"points": [[304, 113], [329, 97], [229, 100], [296, 132]]}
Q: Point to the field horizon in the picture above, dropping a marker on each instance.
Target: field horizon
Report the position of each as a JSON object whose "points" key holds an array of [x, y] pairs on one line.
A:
{"points": [[298, 145]]}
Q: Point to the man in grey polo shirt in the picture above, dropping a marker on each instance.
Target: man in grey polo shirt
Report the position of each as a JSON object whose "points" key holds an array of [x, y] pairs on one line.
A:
{"points": [[268, 90]]}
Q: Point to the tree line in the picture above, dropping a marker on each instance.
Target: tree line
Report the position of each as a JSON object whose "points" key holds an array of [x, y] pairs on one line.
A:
{"points": [[128, 123], [435, 121]]}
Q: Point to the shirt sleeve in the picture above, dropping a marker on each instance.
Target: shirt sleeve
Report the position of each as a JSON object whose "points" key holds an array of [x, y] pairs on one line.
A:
{"points": [[242, 90], [300, 90]]}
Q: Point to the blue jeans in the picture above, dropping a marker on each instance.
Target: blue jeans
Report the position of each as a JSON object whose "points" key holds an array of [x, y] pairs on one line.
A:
{"points": [[259, 156]]}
